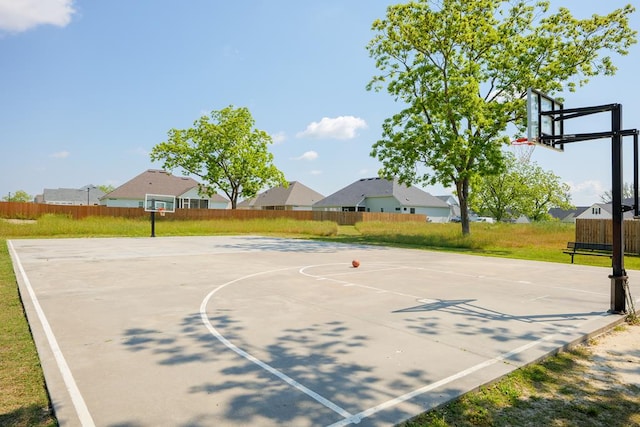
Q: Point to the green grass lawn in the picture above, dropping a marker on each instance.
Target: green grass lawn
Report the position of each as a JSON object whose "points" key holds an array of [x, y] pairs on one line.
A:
{"points": [[23, 397]]}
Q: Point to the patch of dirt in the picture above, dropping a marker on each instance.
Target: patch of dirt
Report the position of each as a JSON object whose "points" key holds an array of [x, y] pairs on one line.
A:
{"points": [[19, 221], [616, 354], [601, 388]]}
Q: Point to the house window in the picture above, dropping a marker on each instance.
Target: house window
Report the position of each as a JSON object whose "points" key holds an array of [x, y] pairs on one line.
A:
{"points": [[595, 211], [187, 203], [412, 210]]}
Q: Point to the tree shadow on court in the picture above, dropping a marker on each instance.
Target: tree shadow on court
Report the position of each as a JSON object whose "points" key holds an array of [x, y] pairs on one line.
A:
{"points": [[309, 364], [260, 244], [319, 359], [178, 347], [497, 326], [466, 308]]}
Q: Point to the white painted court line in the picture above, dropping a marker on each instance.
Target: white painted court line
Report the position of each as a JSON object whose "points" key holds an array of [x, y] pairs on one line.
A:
{"points": [[205, 319], [76, 397]]}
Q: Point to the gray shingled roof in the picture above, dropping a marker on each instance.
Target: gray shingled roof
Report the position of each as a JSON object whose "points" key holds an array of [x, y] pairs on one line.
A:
{"points": [[153, 181], [296, 194], [72, 195], [559, 213], [354, 194]]}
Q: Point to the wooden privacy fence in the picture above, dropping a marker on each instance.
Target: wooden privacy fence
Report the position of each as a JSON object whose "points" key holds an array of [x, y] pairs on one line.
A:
{"points": [[36, 210], [601, 231]]}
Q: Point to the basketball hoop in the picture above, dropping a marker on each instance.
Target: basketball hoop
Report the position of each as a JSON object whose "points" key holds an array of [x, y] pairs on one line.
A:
{"points": [[161, 211], [522, 141], [523, 148]]}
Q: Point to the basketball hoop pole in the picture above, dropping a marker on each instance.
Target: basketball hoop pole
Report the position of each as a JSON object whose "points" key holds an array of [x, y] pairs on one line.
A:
{"points": [[619, 275], [153, 224]]}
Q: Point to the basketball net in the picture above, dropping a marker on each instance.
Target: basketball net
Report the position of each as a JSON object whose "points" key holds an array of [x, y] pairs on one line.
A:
{"points": [[161, 211], [523, 149]]}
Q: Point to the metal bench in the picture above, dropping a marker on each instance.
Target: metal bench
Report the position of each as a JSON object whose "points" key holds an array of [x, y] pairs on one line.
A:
{"points": [[591, 249]]}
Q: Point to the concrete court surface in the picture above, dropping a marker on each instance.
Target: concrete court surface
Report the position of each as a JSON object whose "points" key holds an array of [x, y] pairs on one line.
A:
{"points": [[246, 330]]}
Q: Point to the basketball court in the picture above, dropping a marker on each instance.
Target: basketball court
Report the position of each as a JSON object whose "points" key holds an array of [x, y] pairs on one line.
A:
{"points": [[246, 330]]}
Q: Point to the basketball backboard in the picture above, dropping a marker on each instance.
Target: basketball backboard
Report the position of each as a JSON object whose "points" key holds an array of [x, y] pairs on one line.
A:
{"points": [[544, 129], [159, 203]]}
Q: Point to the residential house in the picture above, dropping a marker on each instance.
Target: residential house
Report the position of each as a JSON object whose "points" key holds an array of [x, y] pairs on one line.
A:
{"points": [[604, 211], [132, 193], [453, 205], [382, 195], [567, 215], [295, 197], [87, 195]]}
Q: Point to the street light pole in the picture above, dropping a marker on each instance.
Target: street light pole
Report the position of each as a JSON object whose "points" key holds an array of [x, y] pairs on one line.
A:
{"points": [[89, 188]]}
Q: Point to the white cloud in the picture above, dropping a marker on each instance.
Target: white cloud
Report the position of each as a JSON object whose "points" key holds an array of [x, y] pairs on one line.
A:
{"points": [[309, 155], [343, 127], [60, 155], [279, 137], [587, 192], [22, 15]]}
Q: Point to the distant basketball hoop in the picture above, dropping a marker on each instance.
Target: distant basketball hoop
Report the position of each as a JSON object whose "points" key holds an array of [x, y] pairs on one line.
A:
{"points": [[158, 203]]}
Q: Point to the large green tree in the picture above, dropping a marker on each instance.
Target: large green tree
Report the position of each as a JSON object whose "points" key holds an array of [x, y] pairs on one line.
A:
{"points": [[522, 188], [225, 151], [497, 195], [461, 68]]}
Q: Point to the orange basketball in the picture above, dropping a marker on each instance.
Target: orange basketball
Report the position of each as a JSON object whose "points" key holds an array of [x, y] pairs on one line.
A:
{"points": [[355, 263]]}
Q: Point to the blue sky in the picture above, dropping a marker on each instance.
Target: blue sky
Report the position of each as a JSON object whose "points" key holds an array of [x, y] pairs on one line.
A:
{"points": [[87, 88]]}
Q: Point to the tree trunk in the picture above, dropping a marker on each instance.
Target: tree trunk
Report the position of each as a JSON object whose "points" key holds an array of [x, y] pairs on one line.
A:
{"points": [[234, 197], [462, 188]]}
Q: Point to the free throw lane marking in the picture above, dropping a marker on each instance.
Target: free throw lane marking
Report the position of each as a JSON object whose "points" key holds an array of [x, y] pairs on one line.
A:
{"points": [[76, 397]]}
